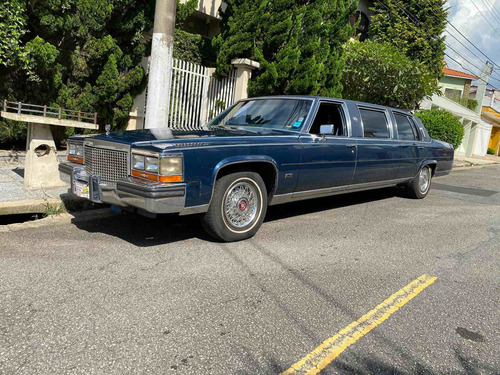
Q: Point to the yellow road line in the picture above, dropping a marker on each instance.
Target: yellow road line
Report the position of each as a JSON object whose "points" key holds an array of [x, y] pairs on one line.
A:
{"points": [[331, 348]]}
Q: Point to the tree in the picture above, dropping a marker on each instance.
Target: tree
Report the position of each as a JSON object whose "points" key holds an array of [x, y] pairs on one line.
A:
{"points": [[297, 43], [415, 27], [77, 54], [442, 125], [380, 73]]}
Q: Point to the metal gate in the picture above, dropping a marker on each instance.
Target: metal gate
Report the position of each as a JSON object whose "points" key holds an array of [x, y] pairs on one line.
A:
{"points": [[196, 95]]}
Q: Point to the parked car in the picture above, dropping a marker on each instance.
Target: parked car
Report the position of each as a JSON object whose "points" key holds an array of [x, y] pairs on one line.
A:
{"points": [[258, 152]]}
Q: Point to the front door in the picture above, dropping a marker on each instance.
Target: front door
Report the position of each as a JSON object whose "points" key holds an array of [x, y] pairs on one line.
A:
{"points": [[327, 161]]}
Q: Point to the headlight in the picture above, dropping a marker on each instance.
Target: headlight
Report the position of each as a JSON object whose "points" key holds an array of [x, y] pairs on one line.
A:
{"points": [[171, 166], [151, 164], [75, 152], [138, 161]]}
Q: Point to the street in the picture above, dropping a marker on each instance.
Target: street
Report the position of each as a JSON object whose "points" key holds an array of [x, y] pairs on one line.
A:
{"points": [[132, 295]]}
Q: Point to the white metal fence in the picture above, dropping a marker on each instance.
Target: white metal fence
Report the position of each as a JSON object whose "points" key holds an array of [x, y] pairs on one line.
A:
{"points": [[196, 95]]}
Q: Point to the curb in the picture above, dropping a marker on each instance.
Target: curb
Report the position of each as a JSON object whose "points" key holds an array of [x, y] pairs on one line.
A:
{"points": [[60, 219], [66, 201]]}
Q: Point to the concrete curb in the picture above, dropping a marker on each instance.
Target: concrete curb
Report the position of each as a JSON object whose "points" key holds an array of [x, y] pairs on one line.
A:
{"points": [[67, 201], [60, 219]]}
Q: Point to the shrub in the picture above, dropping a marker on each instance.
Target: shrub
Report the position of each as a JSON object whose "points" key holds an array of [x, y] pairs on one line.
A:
{"points": [[380, 73], [442, 125], [491, 151]]}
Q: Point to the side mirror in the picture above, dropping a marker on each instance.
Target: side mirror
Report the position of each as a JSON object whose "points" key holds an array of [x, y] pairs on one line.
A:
{"points": [[326, 129]]}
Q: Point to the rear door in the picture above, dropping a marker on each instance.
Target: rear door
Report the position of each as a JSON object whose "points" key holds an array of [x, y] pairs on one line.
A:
{"points": [[378, 150], [409, 144]]}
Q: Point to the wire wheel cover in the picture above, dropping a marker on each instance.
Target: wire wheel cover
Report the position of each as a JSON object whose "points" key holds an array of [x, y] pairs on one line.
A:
{"points": [[424, 179], [241, 204]]}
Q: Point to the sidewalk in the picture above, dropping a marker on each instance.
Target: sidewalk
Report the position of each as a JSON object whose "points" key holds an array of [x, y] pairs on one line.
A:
{"points": [[17, 199], [471, 161]]}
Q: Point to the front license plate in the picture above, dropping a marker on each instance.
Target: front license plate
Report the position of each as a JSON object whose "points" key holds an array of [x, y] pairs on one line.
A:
{"points": [[81, 189]]}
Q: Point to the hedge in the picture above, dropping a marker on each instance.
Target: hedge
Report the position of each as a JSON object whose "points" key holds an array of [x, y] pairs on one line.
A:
{"points": [[442, 125]]}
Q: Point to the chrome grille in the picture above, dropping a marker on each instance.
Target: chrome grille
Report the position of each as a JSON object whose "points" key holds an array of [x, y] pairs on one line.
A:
{"points": [[111, 165]]}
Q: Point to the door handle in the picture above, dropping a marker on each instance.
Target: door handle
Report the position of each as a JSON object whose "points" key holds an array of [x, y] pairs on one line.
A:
{"points": [[420, 147], [350, 146]]}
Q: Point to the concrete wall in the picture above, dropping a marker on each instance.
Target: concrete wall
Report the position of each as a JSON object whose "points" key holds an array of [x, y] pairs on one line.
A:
{"points": [[483, 139]]}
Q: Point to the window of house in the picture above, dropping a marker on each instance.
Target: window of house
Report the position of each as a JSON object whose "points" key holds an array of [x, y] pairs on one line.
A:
{"points": [[453, 93], [329, 114], [363, 26], [406, 130], [374, 123]]}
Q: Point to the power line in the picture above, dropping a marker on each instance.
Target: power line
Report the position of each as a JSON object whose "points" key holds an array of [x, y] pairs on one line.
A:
{"points": [[470, 71], [492, 9], [417, 20], [473, 3], [462, 44], [467, 39]]}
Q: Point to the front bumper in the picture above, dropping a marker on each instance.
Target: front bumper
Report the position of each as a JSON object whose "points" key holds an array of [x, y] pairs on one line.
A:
{"points": [[149, 196]]}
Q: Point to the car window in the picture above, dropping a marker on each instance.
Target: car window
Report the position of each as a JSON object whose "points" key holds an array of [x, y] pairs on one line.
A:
{"points": [[287, 114], [329, 114], [406, 130], [374, 123]]}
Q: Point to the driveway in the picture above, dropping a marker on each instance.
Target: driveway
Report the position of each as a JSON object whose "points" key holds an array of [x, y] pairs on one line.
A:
{"points": [[131, 295]]}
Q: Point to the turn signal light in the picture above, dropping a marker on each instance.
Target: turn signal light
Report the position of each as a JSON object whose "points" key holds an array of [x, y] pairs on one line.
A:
{"points": [[76, 159], [155, 177]]}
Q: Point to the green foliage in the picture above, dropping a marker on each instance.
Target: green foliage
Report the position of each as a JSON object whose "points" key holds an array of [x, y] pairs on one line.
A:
{"points": [[77, 54], [184, 10], [415, 27], [380, 73], [471, 104], [490, 151], [12, 28], [297, 43], [442, 125], [466, 102], [193, 48]]}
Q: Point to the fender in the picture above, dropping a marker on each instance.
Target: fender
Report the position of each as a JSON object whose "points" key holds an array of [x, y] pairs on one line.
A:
{"points": [[241, 159], [428, 162]]}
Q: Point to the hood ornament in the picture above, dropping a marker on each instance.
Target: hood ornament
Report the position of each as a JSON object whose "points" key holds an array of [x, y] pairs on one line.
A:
{"points": [[107, 127]]}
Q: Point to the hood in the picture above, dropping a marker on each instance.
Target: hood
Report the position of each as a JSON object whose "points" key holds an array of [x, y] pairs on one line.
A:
{"points": [[164, 137]]}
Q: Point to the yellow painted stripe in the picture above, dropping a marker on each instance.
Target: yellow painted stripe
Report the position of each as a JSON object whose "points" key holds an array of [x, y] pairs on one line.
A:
{"points": [[331, 348]]}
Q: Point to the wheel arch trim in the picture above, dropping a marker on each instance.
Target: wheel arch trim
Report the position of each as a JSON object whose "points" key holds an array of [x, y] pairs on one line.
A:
{"points": [[244, 159]]}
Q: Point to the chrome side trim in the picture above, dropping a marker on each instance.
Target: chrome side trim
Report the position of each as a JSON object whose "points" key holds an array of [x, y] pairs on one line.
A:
{"points": [[301, 195]]}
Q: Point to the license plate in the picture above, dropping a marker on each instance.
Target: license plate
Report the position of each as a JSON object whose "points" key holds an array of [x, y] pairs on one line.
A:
{"points": [[81, 189]]}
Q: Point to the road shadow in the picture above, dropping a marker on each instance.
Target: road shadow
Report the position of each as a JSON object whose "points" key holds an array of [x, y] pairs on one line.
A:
{"points": [[329, 203], [144, 232], [352, 364], [165, 229]]}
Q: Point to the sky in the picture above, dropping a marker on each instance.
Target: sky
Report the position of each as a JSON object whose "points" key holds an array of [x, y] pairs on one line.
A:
{"points": [[464, 15]]}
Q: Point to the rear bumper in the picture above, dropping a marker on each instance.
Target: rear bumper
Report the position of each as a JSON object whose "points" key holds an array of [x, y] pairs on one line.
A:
{"points": [[149, 196]]}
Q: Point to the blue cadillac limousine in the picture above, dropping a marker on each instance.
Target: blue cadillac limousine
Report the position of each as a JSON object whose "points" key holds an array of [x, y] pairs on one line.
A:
{"points": [[258, 152]]}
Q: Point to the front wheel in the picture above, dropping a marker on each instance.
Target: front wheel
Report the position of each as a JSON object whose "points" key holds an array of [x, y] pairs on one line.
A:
{"points": [[238, 207], [419, 187]]}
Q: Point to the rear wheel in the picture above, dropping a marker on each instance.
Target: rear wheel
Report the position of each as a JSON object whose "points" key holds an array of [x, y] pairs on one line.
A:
{"points": [[238, 207], [419, 187]]}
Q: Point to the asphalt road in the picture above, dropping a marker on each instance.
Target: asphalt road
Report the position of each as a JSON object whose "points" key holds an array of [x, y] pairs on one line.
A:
{"points": [[130, 295]]}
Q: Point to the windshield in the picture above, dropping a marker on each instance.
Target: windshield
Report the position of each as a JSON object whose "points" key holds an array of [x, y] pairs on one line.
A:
{"points": [[288, 114]]}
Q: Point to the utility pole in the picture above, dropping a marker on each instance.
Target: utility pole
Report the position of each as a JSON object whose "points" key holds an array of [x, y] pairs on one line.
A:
{"points": [[481, 85], [160, 66], [481, 90]]}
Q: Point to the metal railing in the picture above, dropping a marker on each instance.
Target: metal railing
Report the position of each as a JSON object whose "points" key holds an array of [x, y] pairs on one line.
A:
{"points": [[52, 112]]}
